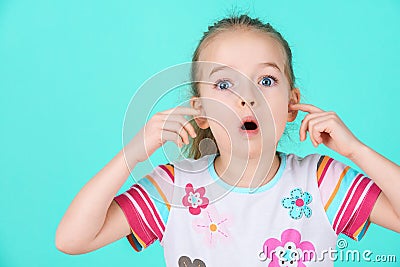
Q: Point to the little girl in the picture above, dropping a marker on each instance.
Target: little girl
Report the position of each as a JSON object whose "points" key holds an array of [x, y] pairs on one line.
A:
{"points": [[225, 208]]}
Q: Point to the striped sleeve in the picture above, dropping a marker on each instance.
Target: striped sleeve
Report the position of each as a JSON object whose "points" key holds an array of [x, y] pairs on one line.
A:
{"points": [[146, 206], [347, 195]]}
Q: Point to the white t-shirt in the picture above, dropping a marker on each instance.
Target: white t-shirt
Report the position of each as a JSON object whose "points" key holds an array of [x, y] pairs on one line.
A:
{"points": [[293, 220]]}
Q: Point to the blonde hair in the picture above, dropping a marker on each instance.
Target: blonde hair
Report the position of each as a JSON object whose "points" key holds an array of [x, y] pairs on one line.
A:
{"points": [[227, 24]]}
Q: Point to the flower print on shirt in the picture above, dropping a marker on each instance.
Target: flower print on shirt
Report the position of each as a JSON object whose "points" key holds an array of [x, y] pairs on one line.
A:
{"points": [[297, 203], [213, 226], [290, 251], [195, 199]]}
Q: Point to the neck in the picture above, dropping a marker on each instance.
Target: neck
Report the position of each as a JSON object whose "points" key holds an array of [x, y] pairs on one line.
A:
{"points": [[245, 172]]}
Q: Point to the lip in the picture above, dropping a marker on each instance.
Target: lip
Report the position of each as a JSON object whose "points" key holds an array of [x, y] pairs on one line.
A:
{"points": [[249, 133]]}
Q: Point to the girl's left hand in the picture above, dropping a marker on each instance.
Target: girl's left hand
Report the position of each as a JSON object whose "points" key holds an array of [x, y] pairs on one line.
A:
{"points": [[325, 127]]}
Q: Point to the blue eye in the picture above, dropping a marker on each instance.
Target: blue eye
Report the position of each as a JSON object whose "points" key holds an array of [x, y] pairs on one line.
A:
{"points": [[268, 81], [223, 85]]}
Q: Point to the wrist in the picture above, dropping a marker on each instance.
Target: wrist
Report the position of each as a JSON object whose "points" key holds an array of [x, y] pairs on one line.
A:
{"points": [[131, 153], [359, 150]]}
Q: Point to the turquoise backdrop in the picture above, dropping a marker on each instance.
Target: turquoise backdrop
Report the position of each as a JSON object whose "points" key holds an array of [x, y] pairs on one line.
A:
{"points": [[68, 70]]}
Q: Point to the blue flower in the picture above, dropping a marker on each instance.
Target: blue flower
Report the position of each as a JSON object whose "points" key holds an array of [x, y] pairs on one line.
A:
{"points": [[297, 203]]}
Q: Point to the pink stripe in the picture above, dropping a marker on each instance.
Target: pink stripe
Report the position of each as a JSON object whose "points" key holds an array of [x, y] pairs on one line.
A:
{"points": [[352, 205], [345, 200], [153, 207], [328, 185], [324, 171], [363, 211], [168, 172], [134, 219], [147, 213]]}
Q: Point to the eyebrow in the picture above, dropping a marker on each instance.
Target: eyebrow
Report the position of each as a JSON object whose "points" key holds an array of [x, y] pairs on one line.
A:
{"points": [[271, 64], [268, 64]]}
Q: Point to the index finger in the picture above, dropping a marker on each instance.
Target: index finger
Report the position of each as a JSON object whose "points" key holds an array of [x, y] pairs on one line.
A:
{"points": [[181, 110], [306, 107]]}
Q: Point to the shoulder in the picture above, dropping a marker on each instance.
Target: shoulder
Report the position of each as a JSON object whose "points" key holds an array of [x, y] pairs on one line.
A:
{"points": [[191, 165], [295, 162], [165, 171], [322, 165], [320, 162]]}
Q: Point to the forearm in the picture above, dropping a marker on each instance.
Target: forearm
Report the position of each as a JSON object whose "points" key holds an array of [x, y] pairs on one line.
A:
{"points": [[385, 173], [86, 214]]}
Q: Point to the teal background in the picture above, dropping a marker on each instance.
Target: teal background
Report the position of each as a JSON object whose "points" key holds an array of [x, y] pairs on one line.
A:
{"points": [[68, 70]]}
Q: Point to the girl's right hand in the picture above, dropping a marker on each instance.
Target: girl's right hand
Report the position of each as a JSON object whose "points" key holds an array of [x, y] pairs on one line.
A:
{"points": [[168, 125]]}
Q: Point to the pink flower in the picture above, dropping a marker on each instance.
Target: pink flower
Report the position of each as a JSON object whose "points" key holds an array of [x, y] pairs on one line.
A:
{"points": [[289, 252], [213, 226], [195, 199]]}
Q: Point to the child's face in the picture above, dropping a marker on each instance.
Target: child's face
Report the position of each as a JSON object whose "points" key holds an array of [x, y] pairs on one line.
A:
{"points": [[255, 75]]}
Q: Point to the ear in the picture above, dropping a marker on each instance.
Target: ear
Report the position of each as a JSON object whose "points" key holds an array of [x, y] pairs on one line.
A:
{"points": [[294, 98], [202, 122]]}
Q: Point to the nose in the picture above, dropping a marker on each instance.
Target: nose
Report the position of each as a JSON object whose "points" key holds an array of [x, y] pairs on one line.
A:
{"points": [[247, 94], [243, 103]]}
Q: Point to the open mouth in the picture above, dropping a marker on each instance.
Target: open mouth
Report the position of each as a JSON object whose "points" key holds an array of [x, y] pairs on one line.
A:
{"points": [[249, 124]]}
